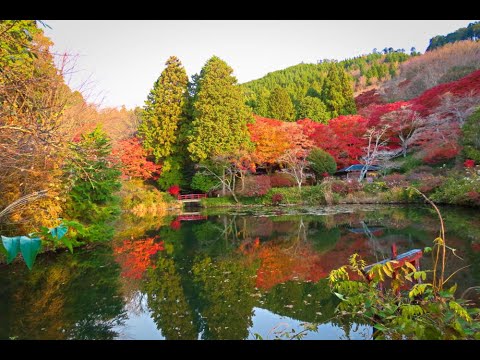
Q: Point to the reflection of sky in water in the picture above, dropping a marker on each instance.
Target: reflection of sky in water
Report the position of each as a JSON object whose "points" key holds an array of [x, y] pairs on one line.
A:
{"points": [[140, 326], [264, 321]]}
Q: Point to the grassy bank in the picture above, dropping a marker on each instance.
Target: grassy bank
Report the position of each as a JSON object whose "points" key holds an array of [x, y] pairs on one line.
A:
{"points": [[452, 191], [312, 195]]}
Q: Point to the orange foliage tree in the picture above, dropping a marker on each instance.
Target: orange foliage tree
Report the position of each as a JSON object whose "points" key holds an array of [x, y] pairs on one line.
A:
{"points": [[135, 256], [133, 159], [270, 140]]}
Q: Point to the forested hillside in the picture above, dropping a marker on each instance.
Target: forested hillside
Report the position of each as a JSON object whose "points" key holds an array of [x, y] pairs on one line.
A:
{"points": [[307, 85], [471, 32]]}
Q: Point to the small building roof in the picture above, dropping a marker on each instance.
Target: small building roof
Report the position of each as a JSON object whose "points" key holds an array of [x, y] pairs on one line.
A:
{"points": [[358, 167]]}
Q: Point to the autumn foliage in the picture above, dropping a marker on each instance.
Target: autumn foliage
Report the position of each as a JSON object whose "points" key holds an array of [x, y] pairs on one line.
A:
{"points": [[134, 256], [270, 139], [134, 163], [174, 190], [427, 102], [368, 98], [342, 137]]}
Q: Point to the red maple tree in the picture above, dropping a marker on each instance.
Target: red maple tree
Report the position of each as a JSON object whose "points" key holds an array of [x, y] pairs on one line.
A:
{"points": [[134, 256], [133, 159]]}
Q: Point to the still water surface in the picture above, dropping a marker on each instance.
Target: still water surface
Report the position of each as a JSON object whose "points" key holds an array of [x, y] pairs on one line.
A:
{"points": [[227, 276]]}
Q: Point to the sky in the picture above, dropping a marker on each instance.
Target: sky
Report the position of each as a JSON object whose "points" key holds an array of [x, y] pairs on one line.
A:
{"points": [[117, 61]]}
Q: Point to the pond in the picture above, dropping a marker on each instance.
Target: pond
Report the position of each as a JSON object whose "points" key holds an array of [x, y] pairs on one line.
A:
{"points": [[234, 275]]}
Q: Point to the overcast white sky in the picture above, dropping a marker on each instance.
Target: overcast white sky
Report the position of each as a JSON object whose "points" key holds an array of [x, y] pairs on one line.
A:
{"points": [[124, 58]]}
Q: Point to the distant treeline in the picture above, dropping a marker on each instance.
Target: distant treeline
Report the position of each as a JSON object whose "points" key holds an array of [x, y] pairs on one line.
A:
{"points": [[471, 32]]}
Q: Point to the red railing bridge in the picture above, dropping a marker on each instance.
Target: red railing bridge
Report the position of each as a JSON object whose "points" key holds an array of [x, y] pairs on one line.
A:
{"points": [[191, 217], [191, 197]]}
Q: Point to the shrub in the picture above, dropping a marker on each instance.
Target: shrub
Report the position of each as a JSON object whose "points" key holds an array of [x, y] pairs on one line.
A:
{"points": [[410, 163], [313, 195], [174, 190], [441, 153], [344, 187], [354, 185], [430, 184], [375, 187], [469, 163], [321, 162], [93, 181], [255, 185], [471, 136], [340, 187], [203, 182], [395, 180], [474, 197], [279, 180], [175, 224], [277, 198], [458, 189]]}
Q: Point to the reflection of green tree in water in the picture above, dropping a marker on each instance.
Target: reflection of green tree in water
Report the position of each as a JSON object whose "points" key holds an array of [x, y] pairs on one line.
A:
{"points": [[323, 239], [225, 288], [71, 297], [305, 301], [97, 304], [208, 236], [166, 299]]}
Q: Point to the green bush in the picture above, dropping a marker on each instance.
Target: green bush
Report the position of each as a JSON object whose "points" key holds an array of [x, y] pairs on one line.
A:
{"points": [[93, 180], [409, 163], [321, 162], [375, 187], [459, 189], [203, 182], [313, 195], [471, 136]]}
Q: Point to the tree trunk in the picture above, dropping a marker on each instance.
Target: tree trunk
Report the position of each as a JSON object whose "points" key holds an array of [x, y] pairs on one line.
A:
{"points": [[363, 172], [404, 149], [223, 182], [234, 196]]}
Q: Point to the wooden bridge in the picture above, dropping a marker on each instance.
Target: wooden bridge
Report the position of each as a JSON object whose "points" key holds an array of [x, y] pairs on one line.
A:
{"points": [[191, 217], [191, 197]]}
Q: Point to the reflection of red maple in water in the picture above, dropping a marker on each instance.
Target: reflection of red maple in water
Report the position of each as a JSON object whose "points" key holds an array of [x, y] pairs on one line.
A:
{"points": [[476, 247], [134, 256], [302, 262], [175, 224]]}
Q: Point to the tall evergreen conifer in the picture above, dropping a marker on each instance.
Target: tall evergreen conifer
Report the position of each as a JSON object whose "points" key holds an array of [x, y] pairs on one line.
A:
{"points": [[220, 116]]}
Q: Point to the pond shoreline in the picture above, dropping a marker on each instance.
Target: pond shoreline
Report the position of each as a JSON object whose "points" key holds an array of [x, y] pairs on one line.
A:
{"points": [[359, 202]]}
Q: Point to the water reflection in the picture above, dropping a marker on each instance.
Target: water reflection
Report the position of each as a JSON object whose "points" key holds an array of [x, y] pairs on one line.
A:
{"points": [[230, 276]]}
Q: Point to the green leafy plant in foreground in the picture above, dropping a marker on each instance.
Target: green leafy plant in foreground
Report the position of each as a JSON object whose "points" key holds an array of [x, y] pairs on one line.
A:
{"points": [[29, 246], [426, 310]]}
